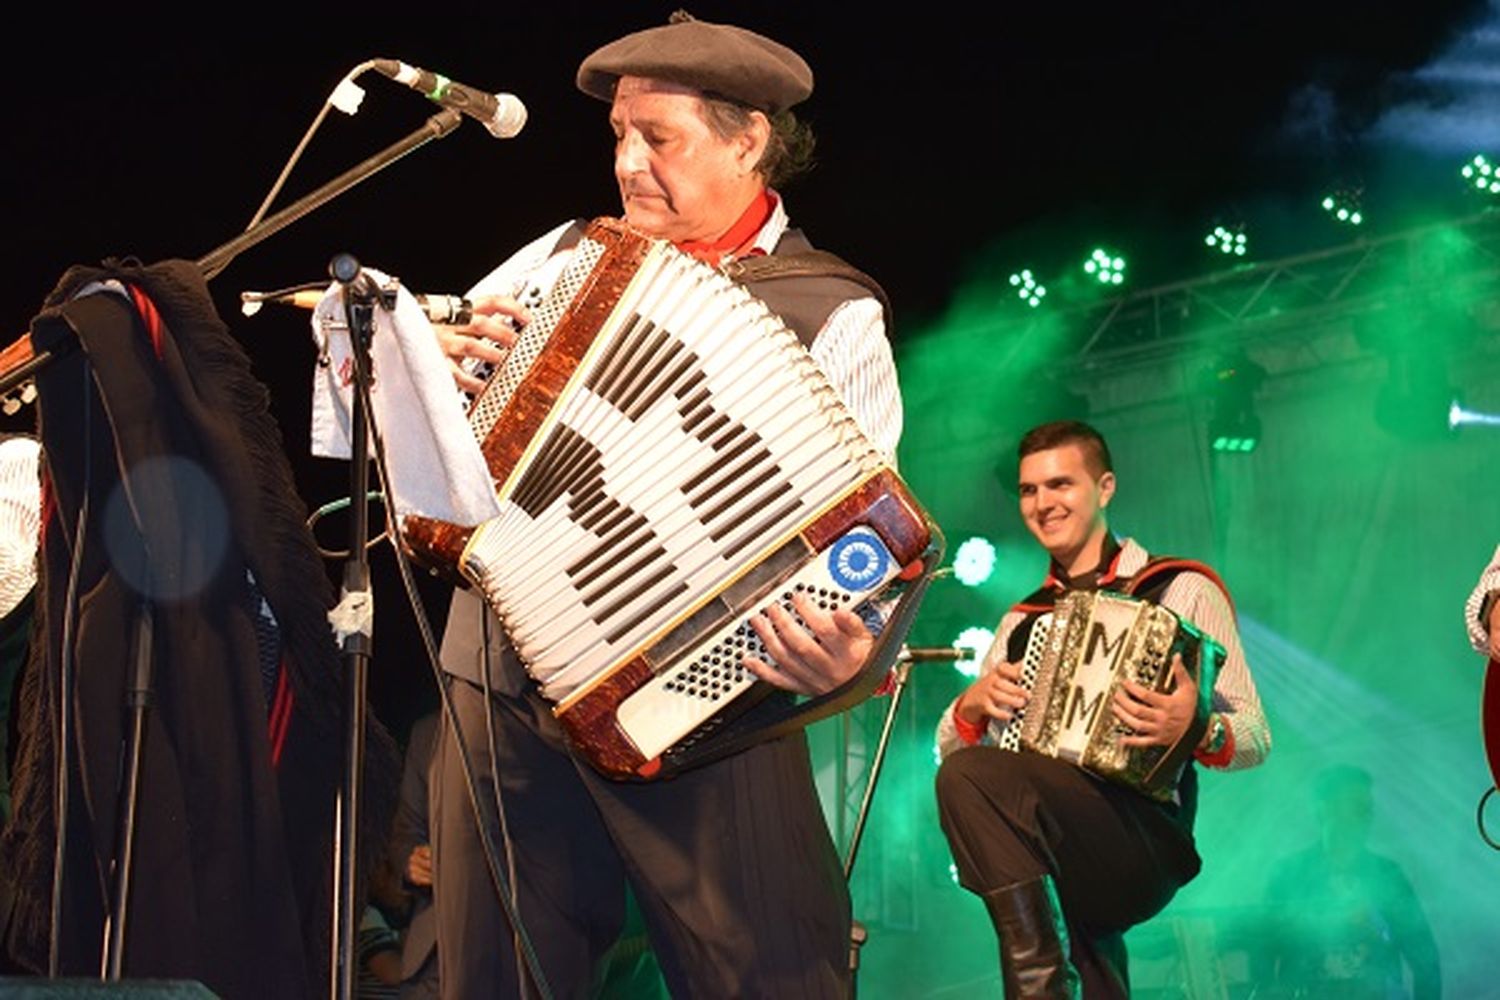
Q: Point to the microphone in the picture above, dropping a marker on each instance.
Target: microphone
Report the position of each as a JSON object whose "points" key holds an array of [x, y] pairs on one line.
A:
{"points": [[502, 114], [934, 654], [447, 310]]}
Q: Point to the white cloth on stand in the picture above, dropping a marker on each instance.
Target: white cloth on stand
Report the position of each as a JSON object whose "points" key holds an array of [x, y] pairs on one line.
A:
{"points": [[435, 465]]}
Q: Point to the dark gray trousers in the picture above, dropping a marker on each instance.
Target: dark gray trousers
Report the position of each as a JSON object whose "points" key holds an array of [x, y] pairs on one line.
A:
{"points": [[731, 864], [1117, 857]]}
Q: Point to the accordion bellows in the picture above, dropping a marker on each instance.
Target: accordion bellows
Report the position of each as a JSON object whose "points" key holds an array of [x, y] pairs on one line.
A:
{"points": [[668, 460]]}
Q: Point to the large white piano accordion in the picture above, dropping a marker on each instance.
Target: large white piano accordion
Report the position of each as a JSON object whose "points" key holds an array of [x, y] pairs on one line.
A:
{"points": [[669, 461], [1078, 656]]}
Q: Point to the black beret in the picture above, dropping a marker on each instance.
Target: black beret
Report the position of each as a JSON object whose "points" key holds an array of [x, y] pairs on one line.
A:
{"points": [[719, 58]]}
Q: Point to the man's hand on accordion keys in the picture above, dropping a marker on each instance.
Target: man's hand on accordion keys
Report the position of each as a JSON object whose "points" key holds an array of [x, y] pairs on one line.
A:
{"points": [[997, 694], [1157, 718], [486, 338], [812, 659]]}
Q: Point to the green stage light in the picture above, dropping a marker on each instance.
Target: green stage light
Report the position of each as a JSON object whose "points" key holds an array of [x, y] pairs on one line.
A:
{"points": [[1106, 268], [979, 640], [974, 561], [1028, 289], [1482, 175], [1229, 242], [1231, 443], [1231, 381], [1343, 207], [1460, 416]]}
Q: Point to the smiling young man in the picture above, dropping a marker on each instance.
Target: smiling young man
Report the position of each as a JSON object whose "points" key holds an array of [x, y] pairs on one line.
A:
{"points": [[731, 862], [1064, 860]]}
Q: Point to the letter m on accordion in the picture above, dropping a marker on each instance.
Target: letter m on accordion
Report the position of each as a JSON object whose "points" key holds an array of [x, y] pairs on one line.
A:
{"points": [[1078, 657], [669, 461]]}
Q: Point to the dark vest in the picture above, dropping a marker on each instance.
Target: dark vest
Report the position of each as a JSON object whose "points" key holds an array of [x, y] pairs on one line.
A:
{"points": [[799, 283], [804, 286]]}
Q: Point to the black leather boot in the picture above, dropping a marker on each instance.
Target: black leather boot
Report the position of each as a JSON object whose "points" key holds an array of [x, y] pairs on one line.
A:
{"points": [[1034, 959]]}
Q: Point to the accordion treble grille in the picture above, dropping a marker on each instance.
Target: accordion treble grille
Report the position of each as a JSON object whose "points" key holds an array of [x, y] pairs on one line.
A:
{"points": [[531, 340], [1031, 662]]}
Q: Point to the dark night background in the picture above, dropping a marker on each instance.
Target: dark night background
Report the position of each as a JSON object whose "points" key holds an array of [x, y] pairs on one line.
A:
{"points": [[956, 143], [945, 135]]}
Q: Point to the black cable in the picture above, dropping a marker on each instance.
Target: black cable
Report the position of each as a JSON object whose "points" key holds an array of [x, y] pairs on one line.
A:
{"points": [[486, 638], [296, 155], [62, 721], [337, 505], [429, 643], [1479, 818]]}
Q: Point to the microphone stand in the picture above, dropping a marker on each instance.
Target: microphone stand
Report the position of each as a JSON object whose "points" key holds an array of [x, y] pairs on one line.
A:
{"points": [[436, 127], [355, 618], [19, 362], [360, 298], [138, 700], [899, 675]]}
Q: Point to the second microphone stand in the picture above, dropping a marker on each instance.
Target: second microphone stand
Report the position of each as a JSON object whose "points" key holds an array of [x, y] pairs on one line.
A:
{"points": [[354, 620], [19, 362], [900, 674]]}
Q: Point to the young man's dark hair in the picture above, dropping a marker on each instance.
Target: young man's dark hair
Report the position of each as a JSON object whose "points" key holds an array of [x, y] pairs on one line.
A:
{"points": [[1062, 432]]}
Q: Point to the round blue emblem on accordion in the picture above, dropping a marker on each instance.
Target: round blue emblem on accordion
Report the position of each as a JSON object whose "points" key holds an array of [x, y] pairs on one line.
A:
{"points": [[858, 560]]}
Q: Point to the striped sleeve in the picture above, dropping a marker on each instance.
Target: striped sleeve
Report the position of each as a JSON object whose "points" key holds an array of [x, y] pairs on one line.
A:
{"points": [[512, 274], [948, 737], [852, 350], [1200, 601], [527, 276], [1475, 607], [20, 519]]}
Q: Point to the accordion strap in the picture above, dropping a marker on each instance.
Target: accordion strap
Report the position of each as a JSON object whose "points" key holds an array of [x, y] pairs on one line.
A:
{"points": [[795, 257], [1149, 583], [1157, 575]]}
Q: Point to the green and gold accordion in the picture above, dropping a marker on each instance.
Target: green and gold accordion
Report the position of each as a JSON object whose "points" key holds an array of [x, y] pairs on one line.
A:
{"points": [[1078, 656]]}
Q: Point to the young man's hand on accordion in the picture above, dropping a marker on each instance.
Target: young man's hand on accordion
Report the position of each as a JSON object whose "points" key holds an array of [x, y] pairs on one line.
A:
{"points": [[811, 660], [485, 339], [997, 694], [1157, 718]]}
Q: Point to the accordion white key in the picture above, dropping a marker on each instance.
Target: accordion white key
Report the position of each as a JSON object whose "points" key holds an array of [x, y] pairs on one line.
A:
{"points": [[1078, 656], [668, 460]]}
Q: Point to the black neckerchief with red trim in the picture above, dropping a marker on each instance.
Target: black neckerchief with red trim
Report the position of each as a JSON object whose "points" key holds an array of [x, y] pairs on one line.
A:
{"points": [[1105, 576], [1149, 582]]}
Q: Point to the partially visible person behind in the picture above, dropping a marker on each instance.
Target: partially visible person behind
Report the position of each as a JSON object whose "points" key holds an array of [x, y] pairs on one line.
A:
{"points": [[378, 955], [1064, 860], [20, 520], [1344, 921], [410, 855], [1482, 611]]}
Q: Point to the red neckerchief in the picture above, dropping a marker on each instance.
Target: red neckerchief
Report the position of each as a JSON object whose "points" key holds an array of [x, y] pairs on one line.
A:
{"points": [[739, 239]]}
